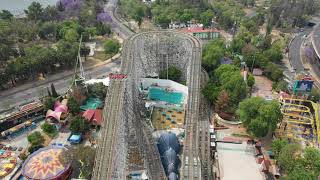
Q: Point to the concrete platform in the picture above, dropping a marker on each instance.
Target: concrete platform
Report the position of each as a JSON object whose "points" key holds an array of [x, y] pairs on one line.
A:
{"points": [[236, 161]]}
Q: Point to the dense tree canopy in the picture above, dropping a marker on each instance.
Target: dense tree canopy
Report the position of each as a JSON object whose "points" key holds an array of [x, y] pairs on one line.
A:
{"points": [[47, 40], [259, 116], [297, 163], [293, 13], [212, 54], [226, 78]]}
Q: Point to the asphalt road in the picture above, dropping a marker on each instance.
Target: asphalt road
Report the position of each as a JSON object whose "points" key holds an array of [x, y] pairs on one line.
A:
{"points": [[316, 38], [61, 86], [117, 26], [294, 51]]}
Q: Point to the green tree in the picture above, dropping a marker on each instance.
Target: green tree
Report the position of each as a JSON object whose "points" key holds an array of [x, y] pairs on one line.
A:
{"points": [[277, 146], [237, 44], [299, 173], [315, 95], [71, 35], [273, 72], [48, 30], [111, 46], [280, 86], [259, 116], [34, 11], [53, 91], [6, 15], [290, 157], [296, 162], [97, 90], [103, 29], [49, 129], [206, 18], [67, 53], [274, 54], [139, 14], [73, 106], [34, 148], [212, 54], [229, 78], [311, 160], [79, 125], [174, 73], [211, 92], [251, 80], [50, 13], [5, 52], [48, 102], [35, 138], [186, 15]]}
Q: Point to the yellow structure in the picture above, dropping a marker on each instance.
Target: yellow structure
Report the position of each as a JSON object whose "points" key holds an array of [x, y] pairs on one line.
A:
{"points": [[167, 118], [300, 120]]}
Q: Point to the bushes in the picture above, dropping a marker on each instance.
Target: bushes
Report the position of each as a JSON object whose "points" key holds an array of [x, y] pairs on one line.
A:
{"points": [[97, 90], [111, 46], [36, 140], [49, 129], [73, 106], [79, 125]]}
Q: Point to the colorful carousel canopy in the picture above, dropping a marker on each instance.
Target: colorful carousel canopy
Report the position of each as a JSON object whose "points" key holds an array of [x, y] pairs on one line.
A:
{"points": [[44, 164]]}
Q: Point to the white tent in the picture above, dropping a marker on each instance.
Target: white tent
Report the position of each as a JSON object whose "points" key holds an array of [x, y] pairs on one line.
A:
{"points": [[105, 81]]}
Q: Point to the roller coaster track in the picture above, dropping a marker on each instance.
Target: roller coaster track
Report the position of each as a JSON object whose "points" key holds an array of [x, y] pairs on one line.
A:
{"points": [[112, 114], [204, 134], [191, 167], [296, 113]]}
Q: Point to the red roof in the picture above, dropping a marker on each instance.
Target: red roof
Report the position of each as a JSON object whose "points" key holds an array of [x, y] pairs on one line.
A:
{"points": [[94, 116], [198, 30]]}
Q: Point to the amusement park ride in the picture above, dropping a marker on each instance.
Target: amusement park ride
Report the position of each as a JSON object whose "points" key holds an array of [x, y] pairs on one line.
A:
{"points": [[300, 116]]}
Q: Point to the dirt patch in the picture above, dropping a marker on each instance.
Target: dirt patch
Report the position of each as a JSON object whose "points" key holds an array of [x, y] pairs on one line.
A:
{"points": [[262, 87]]}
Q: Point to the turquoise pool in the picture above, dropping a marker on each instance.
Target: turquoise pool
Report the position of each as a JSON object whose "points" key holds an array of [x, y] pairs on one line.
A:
{"points": [[92, 103], [159, 94]]}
